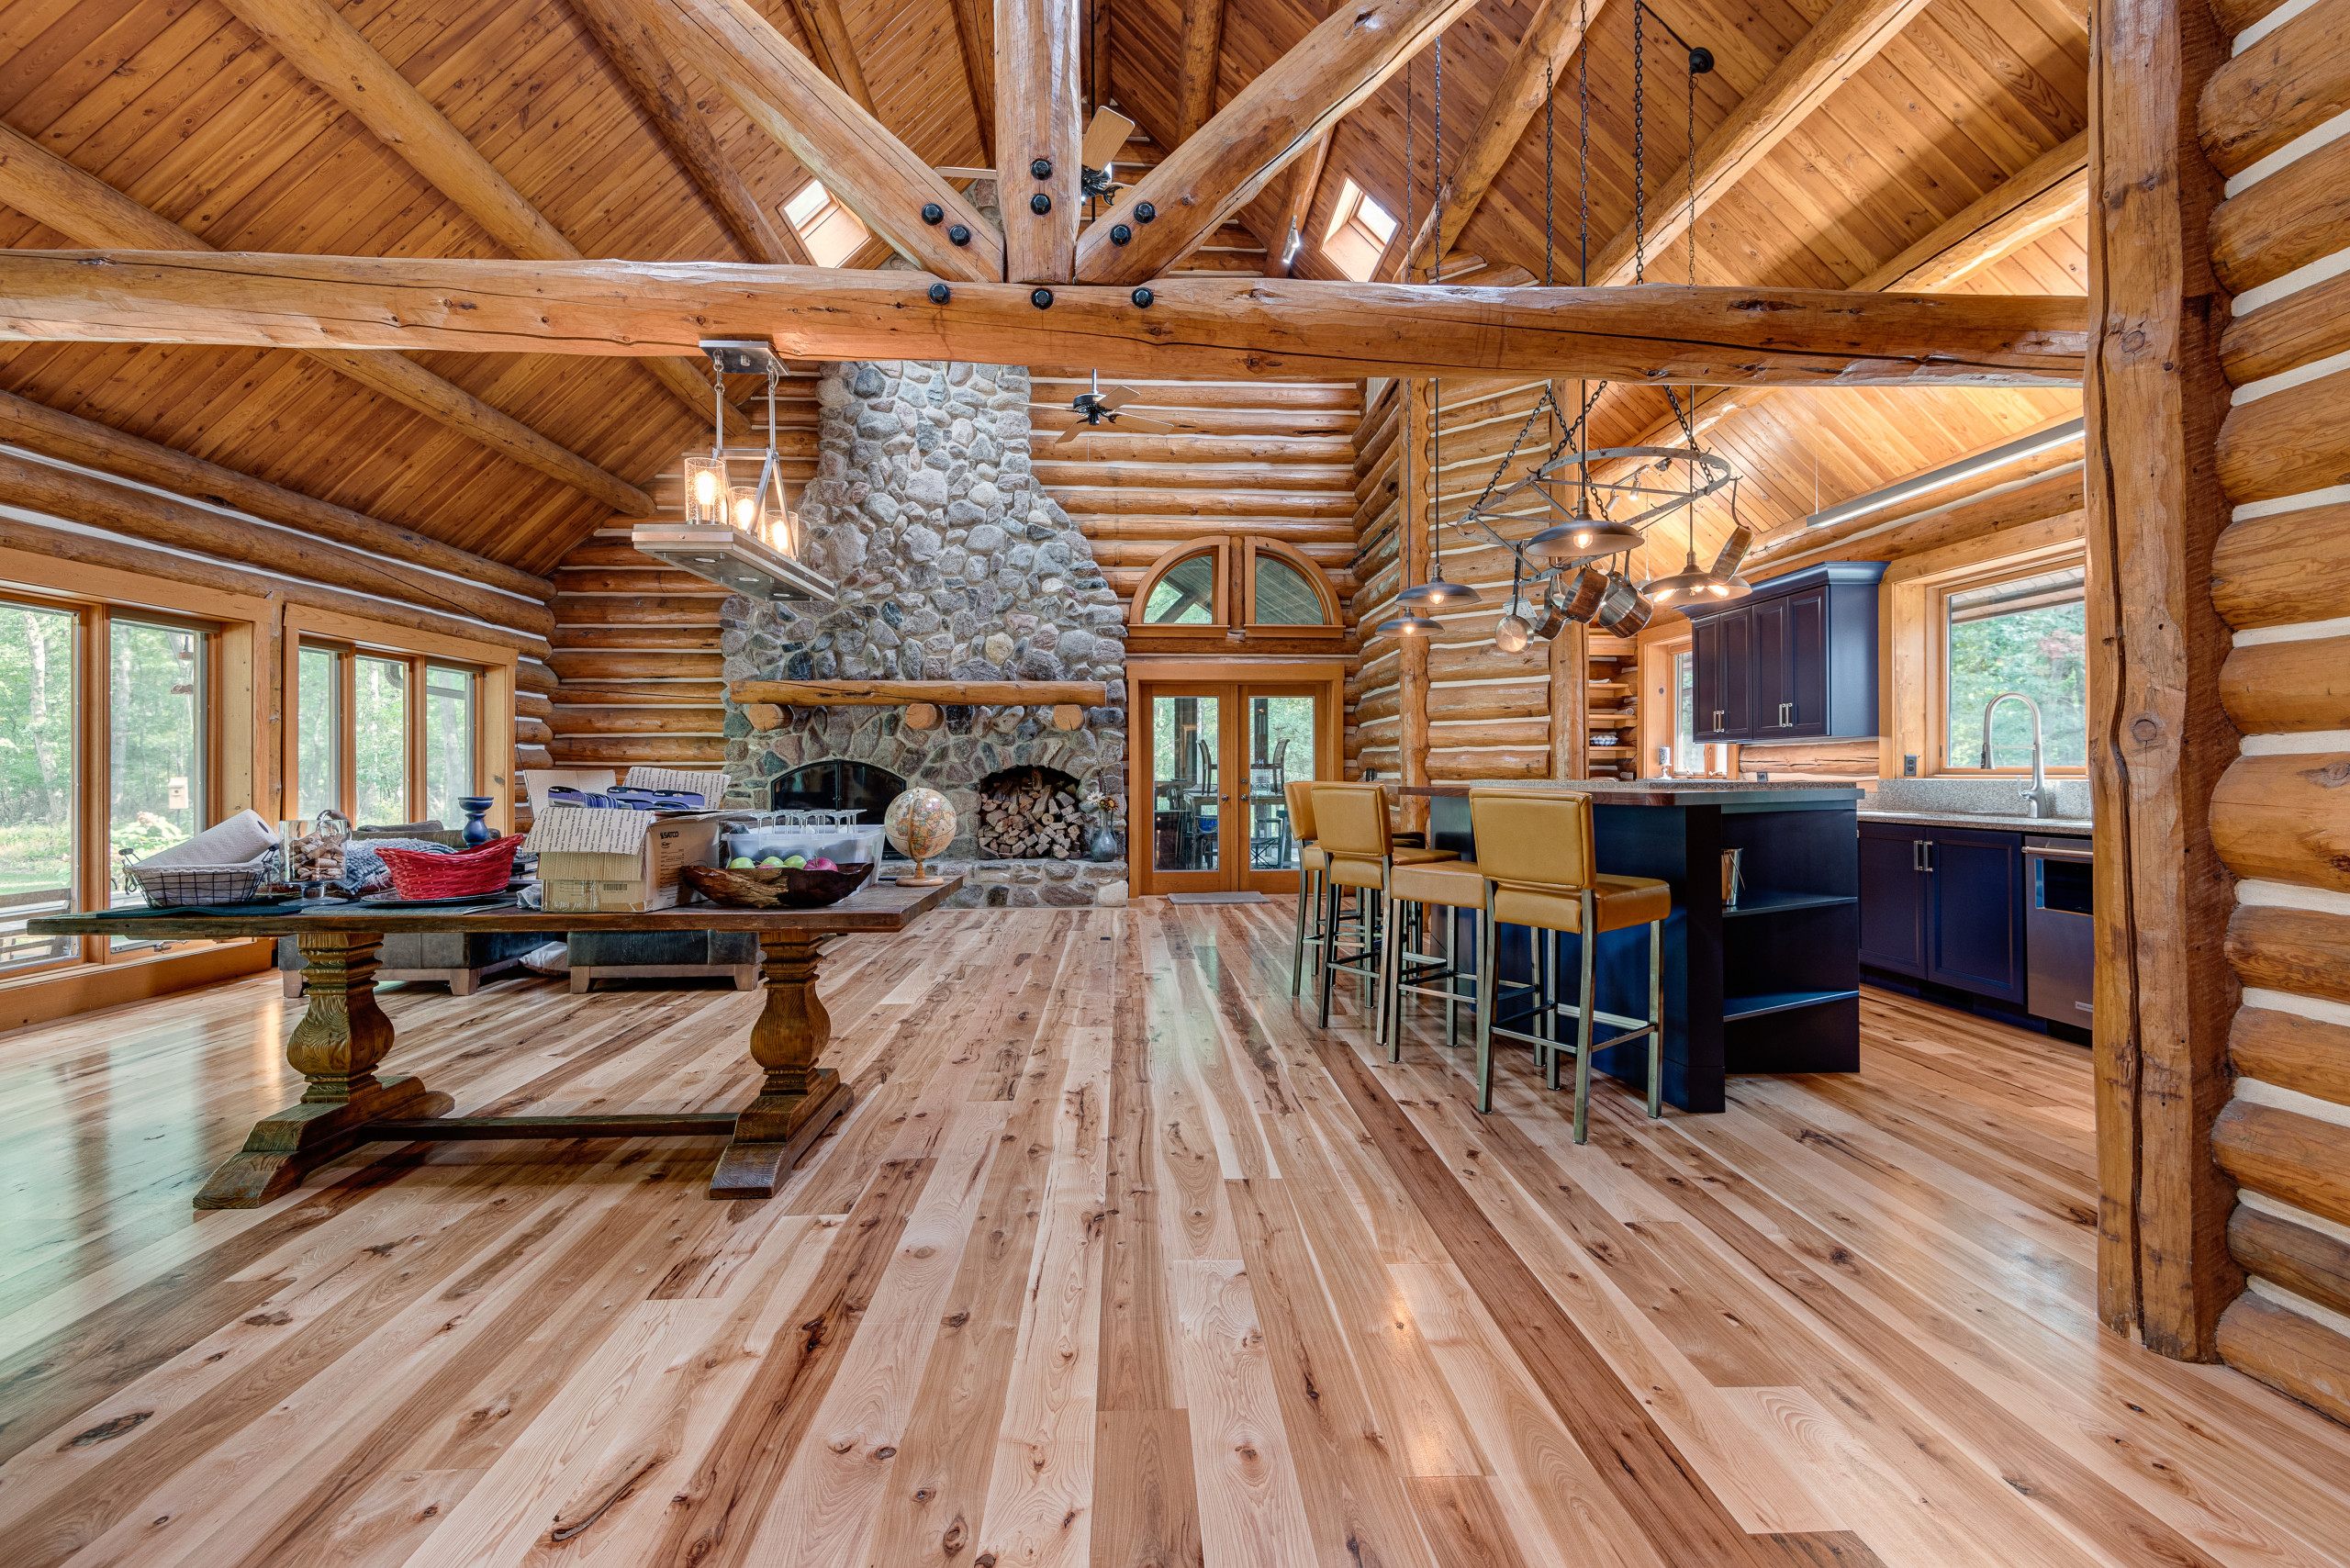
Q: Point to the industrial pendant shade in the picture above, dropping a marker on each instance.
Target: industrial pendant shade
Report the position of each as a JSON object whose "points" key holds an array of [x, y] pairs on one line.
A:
{"points": [[1585, 538], [1436, 592], [1409, 624], [1695, 584]]}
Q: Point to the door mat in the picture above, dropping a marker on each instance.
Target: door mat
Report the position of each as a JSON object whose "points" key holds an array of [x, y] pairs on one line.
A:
{"points": [[1218, 898]]}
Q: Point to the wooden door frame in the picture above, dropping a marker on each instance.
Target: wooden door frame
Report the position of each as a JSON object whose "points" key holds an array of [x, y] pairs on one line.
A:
{"points": [[1329, 677]]}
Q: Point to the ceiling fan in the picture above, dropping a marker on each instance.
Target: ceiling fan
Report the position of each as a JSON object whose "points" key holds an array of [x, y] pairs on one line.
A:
{"points": [[1098, 408], [1103, 137]]}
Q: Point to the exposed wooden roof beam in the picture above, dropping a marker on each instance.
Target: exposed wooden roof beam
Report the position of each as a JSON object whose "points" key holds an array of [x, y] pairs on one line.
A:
{"points": [[630, 47], [1844, 40], [1525, 86], [318, 42], [1036, 119], [1198, 53], [1271, 121], [868, 170], [68, 437], [44, 187], [975, 34], [829, 45], [1304, 182], [1239, 327], [1098, 91]]}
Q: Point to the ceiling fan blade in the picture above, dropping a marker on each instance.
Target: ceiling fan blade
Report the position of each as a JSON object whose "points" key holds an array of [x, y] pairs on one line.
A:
{"points": [[1134, 424], [1118, 396], [1103, 138], [1072, 433]]}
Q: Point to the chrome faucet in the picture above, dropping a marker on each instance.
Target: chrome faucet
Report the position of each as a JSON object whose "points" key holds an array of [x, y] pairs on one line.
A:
{"points": [[2042, 799]]}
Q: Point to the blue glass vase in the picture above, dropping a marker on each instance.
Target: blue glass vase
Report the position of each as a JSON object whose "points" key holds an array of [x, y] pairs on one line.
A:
{"points": [[475, 808]]}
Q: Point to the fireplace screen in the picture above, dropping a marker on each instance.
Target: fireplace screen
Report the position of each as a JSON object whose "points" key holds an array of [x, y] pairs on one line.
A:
{"points": [[840, 786]]}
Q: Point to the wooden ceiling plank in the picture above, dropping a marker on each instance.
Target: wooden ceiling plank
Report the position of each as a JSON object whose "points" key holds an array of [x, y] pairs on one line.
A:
{"points": [[317, 40], [1527, 83], [1236, 327], [975, 34], [1200, 51], [49, 189], [860, 162], [1273, 120], [629, 45], [1846, 38], [1036, 126]]}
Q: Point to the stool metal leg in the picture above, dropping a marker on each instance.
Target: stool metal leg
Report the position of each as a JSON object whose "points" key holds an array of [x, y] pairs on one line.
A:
{"points": [[1546, 1057], [1323, 973], [1656, 1019], [1452, 980], [1488, 969], [1297, 945], [1590, 944]]}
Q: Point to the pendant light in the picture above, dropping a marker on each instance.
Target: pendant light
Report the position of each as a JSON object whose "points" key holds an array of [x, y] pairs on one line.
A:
{"points": [[1697, 584], [1585, 538], [1436, 593]]}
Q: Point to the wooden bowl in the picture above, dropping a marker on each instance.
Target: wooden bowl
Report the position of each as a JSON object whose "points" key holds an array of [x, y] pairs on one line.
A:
{"points": [[776, 887]]}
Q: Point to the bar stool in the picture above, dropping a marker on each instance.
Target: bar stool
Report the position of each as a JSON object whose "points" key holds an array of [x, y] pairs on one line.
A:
{"points": [[1352, 827], [1448, 885], [1552, 883], [1311, 864]]}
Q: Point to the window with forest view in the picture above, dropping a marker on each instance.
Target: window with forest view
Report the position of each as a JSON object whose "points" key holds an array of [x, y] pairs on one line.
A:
{"points": [[154, 743], [2027, 634], [384, 738], [379, 739], [38, 770]]}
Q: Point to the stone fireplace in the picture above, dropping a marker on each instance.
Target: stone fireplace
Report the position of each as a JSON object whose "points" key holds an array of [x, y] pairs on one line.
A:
{"points": [[954, 565]]}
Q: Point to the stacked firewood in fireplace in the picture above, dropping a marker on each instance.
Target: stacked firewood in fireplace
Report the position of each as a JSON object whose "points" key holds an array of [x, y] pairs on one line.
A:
{"points": [[1031, 814]]}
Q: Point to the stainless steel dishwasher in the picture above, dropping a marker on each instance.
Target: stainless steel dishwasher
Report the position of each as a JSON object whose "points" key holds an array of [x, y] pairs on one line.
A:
{"points": [[2059, 929]]}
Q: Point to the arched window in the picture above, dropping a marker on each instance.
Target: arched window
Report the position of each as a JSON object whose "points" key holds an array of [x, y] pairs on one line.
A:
{"points": [[1241, 582]]}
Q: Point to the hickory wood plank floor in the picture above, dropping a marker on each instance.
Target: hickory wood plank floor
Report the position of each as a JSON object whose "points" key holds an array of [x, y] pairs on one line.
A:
{"points": [[1117, 1261]]}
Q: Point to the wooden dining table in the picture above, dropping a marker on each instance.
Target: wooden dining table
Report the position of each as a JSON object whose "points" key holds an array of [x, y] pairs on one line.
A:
{"points": [[343, 1036]]}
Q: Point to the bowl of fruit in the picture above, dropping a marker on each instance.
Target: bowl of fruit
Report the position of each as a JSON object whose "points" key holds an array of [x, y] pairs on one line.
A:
{"points": [[787, 881]]}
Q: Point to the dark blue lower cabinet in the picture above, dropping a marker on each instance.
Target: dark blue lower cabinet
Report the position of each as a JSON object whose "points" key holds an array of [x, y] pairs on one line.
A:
{"points": [[1893, 898], [1974, 934]]}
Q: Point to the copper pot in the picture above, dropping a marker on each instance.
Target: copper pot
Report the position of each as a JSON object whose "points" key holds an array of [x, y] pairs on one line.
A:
{"points": [[1623, 608]]}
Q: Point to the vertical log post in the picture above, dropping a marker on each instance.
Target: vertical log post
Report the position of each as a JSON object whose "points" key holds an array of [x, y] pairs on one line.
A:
{"points": [[1414, 508], [1571, 703], [2160, 740]]}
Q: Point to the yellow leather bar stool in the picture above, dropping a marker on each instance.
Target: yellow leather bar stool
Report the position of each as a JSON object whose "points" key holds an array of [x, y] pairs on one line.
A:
{"points": [[1351, 828], [1541, 871], [1311, 864], [1412, 889]]}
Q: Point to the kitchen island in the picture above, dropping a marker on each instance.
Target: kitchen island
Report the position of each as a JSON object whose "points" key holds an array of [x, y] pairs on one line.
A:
{"points": [[1770, 986]]}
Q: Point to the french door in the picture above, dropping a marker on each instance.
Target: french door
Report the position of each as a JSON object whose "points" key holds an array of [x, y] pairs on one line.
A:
{"points": [[1211, 811]]}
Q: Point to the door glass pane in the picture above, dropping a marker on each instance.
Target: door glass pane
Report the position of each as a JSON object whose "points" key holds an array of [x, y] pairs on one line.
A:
{"points": [[2026, 635], [1183, 750], [1186, 595], [318, 693], [448, 742], [379, 733], [38, 775], [155, 744], [1280, 747], [1686, 755], [1283, 595]]}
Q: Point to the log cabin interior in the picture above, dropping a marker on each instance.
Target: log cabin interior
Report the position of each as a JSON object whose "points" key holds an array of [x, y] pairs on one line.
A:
{"points": [[1587, 752]]}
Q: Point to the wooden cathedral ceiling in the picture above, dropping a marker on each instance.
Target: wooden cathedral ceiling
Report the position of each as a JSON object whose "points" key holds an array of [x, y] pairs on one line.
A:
{"points": [[189, 112]]}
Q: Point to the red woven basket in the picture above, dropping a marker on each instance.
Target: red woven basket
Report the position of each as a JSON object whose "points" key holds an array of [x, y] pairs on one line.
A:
{"points": [[417, 874]]}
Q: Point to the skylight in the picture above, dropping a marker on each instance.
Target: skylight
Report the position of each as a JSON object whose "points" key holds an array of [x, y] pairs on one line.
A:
{"points": [[829, 231], [1358, 232]]}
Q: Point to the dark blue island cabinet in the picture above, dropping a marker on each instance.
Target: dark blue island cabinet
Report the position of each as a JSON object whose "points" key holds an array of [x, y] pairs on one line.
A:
{"points": [[1944, 905], [1770, 986], [1797, 660]]}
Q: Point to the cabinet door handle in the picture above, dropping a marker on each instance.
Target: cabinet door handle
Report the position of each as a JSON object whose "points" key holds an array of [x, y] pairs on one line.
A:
{"points": [[1926, 846], [1917, 855]]}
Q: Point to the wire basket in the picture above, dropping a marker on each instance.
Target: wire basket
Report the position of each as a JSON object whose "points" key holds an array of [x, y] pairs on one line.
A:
{"points": [[170, 887], [417, 874]]}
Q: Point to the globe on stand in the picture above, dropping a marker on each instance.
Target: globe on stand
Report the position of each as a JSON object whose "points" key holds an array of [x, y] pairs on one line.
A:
{"points": [[920, 824]]}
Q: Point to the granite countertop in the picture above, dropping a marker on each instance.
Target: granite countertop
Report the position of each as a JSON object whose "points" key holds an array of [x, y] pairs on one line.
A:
{"points": [[2077, 827], [1661, 792]]}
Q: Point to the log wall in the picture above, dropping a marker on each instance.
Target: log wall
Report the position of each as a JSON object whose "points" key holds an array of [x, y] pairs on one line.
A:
{"points": [[2280, 812]]}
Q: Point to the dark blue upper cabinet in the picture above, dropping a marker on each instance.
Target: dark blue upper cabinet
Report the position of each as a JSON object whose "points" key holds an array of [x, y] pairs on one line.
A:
{"points": [[1797, 660]]}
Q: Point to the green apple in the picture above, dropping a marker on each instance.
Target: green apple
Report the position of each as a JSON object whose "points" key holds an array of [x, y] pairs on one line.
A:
{"points": [[795, 863], [772, 861], [740, 863]]}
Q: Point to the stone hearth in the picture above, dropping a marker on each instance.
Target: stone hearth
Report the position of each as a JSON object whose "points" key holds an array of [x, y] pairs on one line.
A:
{"points": [[952, 565]]}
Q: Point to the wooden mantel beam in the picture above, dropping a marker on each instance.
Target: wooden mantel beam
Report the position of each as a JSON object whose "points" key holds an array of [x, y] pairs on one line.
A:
{"points": [[1526, 85], [1274, 119], [80, 205], [317, 40], [1846, 38], [640, 62], [1232, 327], [865, 167]]}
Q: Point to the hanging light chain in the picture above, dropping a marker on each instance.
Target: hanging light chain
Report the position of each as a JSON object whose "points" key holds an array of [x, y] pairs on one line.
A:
{"points": [[1435, 173], [1550, 222], [1639, 149]]}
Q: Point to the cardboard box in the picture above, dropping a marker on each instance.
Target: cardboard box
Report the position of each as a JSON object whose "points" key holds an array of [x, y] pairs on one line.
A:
{"points": [[612, 862], [537, 782]]}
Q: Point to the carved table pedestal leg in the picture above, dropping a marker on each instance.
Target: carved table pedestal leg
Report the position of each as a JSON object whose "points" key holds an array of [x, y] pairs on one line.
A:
{"points": [[799, 1099], [336, 1047]]}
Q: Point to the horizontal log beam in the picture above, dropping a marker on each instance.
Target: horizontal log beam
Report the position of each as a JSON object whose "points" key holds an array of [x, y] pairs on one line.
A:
{"points": [[2286, 818], [2296, 686], [599, 750], [895, 693], [2286, 1155], [2307, 1262], [2265, 573], [2291, 1052], [2300, 950], [1243, 328]]}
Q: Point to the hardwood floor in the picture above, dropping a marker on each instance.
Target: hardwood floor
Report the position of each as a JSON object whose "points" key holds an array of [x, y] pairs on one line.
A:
{"points": [[1118, 1261]]}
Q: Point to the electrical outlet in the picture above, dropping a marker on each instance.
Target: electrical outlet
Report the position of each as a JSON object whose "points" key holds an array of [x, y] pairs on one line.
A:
{"points": [[1909, 766]]}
